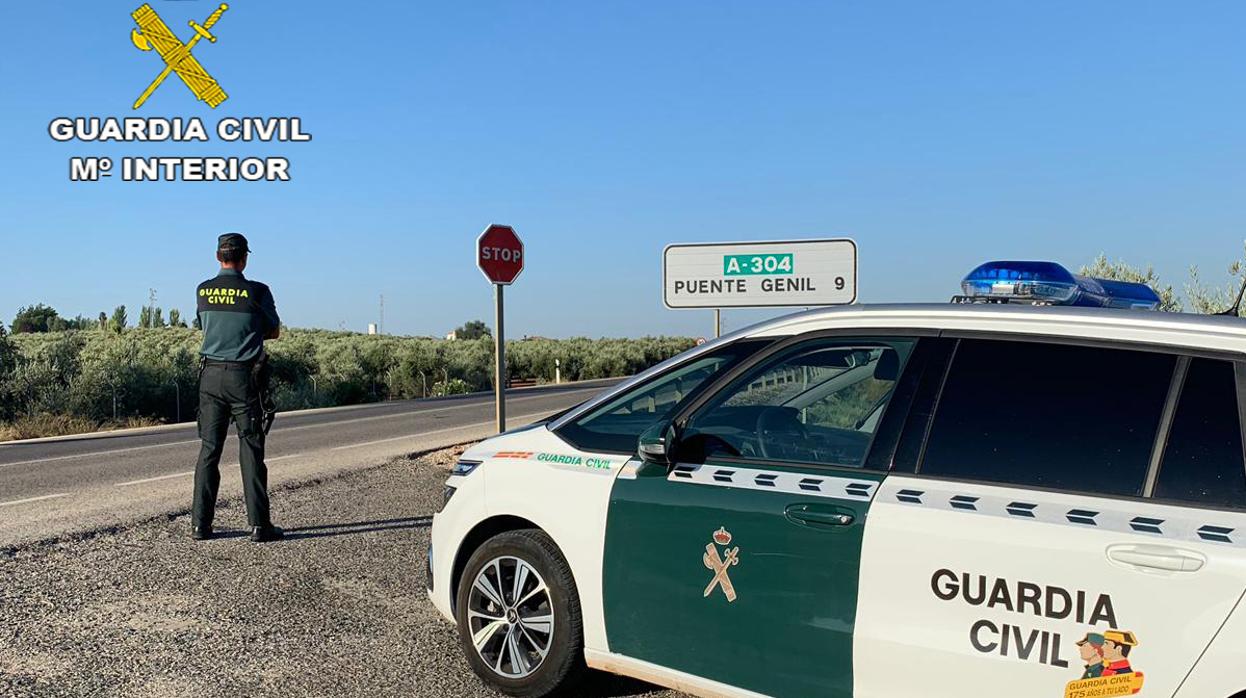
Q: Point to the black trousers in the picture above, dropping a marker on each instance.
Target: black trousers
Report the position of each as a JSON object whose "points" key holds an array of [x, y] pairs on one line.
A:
{"points": [[227, 393]]}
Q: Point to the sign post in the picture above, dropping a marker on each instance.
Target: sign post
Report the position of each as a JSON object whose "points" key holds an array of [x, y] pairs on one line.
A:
{"points": [[797, 273], [499, 355], [499, 254]]}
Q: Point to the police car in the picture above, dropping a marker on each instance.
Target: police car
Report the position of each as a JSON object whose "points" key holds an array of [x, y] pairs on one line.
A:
{"points": [[915, 501]]}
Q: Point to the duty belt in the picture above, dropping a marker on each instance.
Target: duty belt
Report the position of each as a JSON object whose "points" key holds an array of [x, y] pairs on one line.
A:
{"points": [[241, 365], [260, 378]]}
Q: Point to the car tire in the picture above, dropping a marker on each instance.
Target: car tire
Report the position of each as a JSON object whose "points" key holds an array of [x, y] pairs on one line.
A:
{"points": [[504, 641]]}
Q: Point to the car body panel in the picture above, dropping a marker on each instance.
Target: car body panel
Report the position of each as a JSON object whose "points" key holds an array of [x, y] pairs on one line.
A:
{"points": [[664, 676], [465, 510], [1217, 673], [785, 627], [946, 566]]}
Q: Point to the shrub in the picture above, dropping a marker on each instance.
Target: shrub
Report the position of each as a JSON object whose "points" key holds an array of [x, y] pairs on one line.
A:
{"points": [[92, 377]]}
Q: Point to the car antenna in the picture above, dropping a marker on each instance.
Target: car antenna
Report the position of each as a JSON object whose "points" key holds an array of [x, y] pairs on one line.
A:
{"points": [[1237, 304]]}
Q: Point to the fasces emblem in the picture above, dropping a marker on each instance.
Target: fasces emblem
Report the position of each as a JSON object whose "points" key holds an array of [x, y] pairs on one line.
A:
{"points": [[152, 33], [719, 565]]}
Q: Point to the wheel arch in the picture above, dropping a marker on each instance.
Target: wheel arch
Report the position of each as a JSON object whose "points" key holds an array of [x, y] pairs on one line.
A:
{"points": [[476, 537]]}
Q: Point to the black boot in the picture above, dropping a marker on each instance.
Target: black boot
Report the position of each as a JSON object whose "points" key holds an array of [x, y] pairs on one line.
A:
{"points": [[201, 532], [265, 534]]}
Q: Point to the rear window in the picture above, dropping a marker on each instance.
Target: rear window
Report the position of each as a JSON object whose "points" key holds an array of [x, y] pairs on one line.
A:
{"points": [[1074, 418], [1203, 460]]}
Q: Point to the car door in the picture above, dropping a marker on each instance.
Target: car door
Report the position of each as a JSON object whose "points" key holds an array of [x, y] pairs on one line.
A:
{"points": [[1071, 526], [738, 563]]}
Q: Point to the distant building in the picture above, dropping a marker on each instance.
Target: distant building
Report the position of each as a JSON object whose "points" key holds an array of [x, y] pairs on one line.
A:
{"points": [[371, 328], [452, 335]]}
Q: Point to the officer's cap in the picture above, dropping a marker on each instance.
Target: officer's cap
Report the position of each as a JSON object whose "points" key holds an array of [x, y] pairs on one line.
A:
{"points": [[1121, 637], [232, 241], [1095, 640]]}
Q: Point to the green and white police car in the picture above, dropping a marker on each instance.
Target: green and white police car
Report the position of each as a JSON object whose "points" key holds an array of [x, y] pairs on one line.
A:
{"points": [[917, 501]]}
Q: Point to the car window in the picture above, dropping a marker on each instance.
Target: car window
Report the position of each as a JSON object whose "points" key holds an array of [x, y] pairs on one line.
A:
{"points": [[1059, 416], [616, 426], [818, 403], [1203, 460]]}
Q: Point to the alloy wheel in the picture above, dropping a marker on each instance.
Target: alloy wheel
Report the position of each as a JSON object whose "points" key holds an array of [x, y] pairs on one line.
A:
{"points": [[510, 617]]}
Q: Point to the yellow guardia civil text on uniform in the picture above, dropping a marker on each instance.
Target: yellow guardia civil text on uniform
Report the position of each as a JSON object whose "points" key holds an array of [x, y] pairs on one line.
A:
{"points": [[223, 296]]}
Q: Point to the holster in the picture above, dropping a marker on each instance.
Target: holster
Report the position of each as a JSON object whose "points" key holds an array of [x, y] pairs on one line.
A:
{"points": [[261, 378]]}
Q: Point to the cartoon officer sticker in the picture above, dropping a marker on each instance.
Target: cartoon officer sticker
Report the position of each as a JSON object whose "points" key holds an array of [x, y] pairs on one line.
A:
{"points": [[1107, 671], [1116, 647], [1091, 650]]}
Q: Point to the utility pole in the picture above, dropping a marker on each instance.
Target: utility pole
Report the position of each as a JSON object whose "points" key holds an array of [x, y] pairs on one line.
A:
{"points": [[380, 325]]}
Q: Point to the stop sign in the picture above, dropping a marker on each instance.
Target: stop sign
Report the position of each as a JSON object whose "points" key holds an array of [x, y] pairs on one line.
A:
{"points": [[499, 254]]}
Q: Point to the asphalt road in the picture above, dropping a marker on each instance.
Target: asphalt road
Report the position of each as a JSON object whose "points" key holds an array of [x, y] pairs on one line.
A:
{"points": [[337, 609], [52, 488]]}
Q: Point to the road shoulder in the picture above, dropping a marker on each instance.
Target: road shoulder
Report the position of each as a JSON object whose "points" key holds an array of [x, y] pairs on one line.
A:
{"points": [[338, 609]]}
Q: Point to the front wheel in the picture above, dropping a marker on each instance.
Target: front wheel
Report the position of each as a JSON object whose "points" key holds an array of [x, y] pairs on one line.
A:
{"points": [[519, 615]]}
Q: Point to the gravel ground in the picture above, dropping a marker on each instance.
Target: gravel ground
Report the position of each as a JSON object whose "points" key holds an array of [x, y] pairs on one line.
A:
{"points": [[338, 609]]}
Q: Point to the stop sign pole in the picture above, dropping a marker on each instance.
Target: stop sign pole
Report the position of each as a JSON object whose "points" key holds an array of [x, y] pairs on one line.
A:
{"points": [[499, 254]]}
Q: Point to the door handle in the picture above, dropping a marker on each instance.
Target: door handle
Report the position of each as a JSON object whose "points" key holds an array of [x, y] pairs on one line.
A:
{"points": [[818, 516], [1156, 557]]}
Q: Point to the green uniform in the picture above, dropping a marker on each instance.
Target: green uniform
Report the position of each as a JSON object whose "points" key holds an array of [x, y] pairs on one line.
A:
{"points": [[235, 314]]}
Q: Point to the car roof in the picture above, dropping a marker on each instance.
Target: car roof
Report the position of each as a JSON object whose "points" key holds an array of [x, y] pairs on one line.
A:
{"points": [[1178, 330], [1214, 332]]}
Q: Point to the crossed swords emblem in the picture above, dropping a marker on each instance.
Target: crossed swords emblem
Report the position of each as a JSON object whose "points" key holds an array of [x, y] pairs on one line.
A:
{"points": [[719, 565], [152, 32]]}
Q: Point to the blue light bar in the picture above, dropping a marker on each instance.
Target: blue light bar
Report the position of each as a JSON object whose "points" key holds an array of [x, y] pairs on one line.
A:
{"points": [[1048, 283]]}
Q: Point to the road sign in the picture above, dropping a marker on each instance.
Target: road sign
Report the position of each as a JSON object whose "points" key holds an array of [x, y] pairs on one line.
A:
{"points": [[760, 274], [499, 254]]}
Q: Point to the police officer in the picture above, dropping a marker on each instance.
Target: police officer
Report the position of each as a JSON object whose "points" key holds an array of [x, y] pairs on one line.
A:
{"points": [[236, 315]]}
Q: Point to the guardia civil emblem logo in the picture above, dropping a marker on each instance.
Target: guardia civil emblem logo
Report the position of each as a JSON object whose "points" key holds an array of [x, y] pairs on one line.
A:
{"points": [[153, 33], [720, 564]]}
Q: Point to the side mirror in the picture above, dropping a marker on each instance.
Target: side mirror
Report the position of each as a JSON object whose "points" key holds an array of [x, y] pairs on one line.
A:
{"points": [[656, 444]]}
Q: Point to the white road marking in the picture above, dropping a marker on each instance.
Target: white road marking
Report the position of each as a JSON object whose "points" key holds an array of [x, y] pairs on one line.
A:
{"points": [[475, 425], [99, 453], [191, 472], [154, 479], [267, 460], [33, 499], [431, 411]]}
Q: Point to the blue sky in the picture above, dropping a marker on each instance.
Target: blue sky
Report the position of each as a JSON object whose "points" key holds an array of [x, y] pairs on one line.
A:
{"points": [[937, 135]]}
